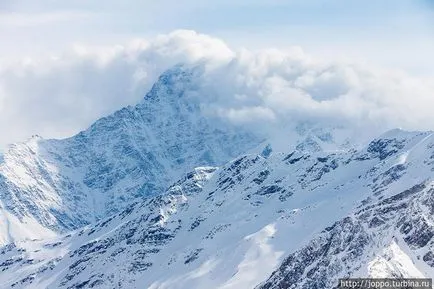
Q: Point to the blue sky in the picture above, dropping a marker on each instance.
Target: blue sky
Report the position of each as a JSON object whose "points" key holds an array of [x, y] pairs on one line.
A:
{"points": [[396, 33]]}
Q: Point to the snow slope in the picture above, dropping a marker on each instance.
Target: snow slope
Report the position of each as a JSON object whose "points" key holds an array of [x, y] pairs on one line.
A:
{"points": [[62, 185], [269, 220]]}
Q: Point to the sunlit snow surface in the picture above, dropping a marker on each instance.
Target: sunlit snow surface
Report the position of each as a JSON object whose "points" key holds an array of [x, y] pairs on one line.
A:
{"points": [[292, 218]]}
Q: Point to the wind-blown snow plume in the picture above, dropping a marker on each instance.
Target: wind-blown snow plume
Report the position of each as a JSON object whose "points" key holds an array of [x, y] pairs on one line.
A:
{"points": [[269, 90]]}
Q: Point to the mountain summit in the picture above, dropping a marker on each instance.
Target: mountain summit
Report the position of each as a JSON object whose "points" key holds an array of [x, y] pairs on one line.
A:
{"points": [[61, 185]]}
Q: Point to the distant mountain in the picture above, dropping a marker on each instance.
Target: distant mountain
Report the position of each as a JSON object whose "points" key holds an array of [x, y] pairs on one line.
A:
{"points": [[295, 219]]}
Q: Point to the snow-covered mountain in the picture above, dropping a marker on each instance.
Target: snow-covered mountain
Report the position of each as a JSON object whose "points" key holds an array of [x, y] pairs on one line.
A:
{"points": [[59, 185], [162, 195], [277, 220]]}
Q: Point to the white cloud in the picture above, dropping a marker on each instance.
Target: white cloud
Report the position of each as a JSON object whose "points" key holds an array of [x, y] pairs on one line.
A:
{"points": [[58, 96], [247, 114], [294, 89], [271, 89]]}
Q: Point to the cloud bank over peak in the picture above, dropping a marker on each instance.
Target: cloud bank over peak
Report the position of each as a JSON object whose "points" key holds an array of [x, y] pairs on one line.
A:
{"points": [[287, 89], [269, 90]]}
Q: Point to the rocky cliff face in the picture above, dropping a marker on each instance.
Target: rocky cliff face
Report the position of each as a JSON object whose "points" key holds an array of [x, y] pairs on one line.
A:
{"points": [[61, 185]]}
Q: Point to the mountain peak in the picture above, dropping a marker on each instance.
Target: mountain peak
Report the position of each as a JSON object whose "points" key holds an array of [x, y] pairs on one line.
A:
{"points": [[124, 157], [398, 133], [174, 82]]}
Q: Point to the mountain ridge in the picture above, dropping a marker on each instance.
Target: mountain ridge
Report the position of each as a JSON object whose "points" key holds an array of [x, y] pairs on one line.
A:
{"points": [[134, 152], [343, 214]]}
